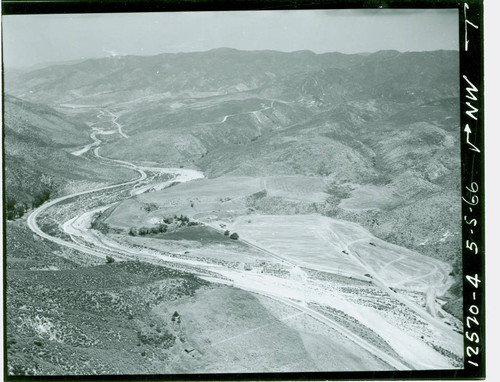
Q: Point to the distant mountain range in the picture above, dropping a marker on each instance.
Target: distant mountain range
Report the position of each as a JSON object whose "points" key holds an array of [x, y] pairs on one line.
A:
{"points": [[412, 76]]}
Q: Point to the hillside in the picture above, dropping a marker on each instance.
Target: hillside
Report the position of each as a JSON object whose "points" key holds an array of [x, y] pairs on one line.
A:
{"points": [[37, 162]]}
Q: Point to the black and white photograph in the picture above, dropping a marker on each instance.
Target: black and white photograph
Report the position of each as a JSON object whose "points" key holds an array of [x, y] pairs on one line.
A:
{"points": [[239, 192]]}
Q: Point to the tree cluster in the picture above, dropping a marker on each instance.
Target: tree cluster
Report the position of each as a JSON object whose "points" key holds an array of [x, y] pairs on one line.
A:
{"points": [[99, 225], [233, 235], [175, 221], [16, 208]]}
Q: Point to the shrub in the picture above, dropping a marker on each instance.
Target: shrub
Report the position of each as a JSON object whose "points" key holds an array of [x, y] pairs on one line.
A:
{"points": [[133, 231], [11, 215], [20, 211], [150, 336], [150, 207], [109, 260], [183, 219], [176, 317], [100, 226], [143, 231], [14, 209], [226, 232], [41, 197], [11, 203], [234, 236]]}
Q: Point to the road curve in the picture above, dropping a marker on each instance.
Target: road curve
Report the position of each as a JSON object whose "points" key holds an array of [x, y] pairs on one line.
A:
{"points": [[33, 225]]}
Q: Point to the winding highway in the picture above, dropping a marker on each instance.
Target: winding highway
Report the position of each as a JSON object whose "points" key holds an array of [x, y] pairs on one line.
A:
{"points": [[32, 223]]}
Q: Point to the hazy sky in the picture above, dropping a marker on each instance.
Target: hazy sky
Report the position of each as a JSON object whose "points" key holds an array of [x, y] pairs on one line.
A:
{"points": [[34, 39]]}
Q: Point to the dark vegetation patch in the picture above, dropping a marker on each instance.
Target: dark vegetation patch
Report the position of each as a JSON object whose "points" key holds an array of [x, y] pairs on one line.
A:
{"points": [[251, 199], [201, 234], [98, 224], [150, 207], [182, 228], [168, 224], [157, 336], [337, 192], [16, 207]]}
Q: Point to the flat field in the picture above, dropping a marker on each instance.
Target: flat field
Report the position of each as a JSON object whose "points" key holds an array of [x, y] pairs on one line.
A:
{"points": [[337, 246]]}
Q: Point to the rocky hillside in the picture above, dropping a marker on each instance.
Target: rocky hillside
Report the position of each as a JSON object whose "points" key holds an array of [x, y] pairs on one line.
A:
{"points": [[38, 164], [72, 314]]}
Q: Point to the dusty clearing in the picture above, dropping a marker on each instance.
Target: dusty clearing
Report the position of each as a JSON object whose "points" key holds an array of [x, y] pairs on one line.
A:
{"points": [[341, 247]]}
